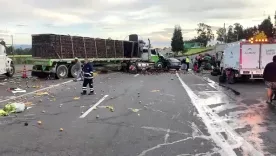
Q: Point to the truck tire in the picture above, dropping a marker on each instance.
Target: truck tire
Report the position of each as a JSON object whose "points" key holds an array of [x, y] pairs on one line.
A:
{"points": [[72, 71], [11, 73], [62, 72]]}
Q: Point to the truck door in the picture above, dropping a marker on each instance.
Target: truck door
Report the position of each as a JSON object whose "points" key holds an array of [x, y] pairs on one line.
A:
{"points": [[250, 56], [2, 60], [267, 53]]}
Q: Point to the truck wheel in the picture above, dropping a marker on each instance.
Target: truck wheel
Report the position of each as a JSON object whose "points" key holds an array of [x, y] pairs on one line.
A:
{"points": [[62, 72], [159, 65], [73, 72], [11, 72]]}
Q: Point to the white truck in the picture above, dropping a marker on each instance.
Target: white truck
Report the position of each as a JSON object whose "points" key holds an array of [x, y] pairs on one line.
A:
{"points": [[246, 60], [6, 64]]}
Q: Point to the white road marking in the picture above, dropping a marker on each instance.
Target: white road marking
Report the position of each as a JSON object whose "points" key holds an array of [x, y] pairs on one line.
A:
{"points": [[136, 75], [52, 86], [93, 107], [209, 119]]}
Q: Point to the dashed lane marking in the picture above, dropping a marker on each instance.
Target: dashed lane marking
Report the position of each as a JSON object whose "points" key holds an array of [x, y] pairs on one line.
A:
{"points": [[93, 107]]}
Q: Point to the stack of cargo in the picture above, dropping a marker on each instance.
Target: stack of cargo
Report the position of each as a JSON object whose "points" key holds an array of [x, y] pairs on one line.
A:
{"points": [[52, 46]]}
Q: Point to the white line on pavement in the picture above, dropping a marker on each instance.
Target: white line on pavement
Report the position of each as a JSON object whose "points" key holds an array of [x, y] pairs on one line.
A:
{"points": [[136, 75], [93, 107], [52, 86], [208, 118]]}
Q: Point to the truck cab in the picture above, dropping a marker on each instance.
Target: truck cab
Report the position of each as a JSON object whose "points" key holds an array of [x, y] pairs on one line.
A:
{"points": [[153, 55], [6, 64]]}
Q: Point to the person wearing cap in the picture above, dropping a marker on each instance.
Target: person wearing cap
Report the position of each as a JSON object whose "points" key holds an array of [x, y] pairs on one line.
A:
{"points": [[88, 78], [269, 76], [78, 69]]}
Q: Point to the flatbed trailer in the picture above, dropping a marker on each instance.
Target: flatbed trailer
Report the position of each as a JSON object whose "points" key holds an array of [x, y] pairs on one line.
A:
{"points": [[62, 68]]}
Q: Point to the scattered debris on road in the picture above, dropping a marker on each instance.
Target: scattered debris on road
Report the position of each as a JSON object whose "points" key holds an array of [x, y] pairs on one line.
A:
{"points": [[16, 90], [76, 98], [134, 110], [154, 91], [41, 93], [39, 122]]}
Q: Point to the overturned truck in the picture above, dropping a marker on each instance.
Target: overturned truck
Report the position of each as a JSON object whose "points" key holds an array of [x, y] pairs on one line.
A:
{"points": [[54, 54]]}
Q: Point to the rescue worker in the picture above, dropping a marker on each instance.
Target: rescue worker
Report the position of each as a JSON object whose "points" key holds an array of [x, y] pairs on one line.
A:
{"points": [[78, 70], [88, 78], [187, 63], [270, 78]]}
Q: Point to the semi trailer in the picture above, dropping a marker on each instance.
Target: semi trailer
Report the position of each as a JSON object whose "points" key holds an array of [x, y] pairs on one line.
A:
{"points": [[54, 54]]}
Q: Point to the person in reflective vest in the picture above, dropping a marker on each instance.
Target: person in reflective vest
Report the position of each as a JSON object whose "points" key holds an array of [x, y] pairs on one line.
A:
{"points": [[87, 78], [187, 63]]}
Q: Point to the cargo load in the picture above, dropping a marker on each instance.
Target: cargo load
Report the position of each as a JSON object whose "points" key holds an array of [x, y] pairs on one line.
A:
{"points": [[53, 46]]}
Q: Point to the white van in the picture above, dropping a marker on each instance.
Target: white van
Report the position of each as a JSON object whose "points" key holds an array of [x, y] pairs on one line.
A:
{"points": [[6, 64]]}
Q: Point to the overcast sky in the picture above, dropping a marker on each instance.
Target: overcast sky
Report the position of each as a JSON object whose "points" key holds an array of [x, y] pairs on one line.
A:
{"points": [[118, 18]]}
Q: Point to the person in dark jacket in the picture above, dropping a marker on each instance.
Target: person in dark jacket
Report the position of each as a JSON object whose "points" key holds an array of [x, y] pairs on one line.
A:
{"points": [[269, 76], [88, 78]]}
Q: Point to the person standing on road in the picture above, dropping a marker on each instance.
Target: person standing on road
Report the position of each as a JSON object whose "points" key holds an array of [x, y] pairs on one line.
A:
{"points": [[78, 69], [270, 78], [187, 63], [88, 78]]}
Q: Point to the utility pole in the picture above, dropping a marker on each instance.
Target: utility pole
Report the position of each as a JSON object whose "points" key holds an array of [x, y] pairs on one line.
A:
{"points": [[224, 33]]}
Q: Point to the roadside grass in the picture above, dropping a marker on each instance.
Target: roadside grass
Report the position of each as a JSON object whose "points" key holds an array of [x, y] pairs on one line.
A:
{"points": [[195, 51]]}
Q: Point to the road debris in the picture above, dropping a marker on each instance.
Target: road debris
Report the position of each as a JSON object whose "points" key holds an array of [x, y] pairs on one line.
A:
{"points": [[26, 124], [41, 93], [154, 91], [97, 116], [16, 90], [134, 110], [61, 129], [111, 108], [76, 98], [39, 122]]}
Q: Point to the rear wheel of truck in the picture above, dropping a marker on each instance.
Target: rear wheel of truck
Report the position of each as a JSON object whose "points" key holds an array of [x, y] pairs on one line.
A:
{"points": [[62, 72], [11, 72], [72, 71]]}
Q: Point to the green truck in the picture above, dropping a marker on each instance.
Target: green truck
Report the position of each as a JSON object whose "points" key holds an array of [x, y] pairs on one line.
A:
{"points": [[145, 58]]}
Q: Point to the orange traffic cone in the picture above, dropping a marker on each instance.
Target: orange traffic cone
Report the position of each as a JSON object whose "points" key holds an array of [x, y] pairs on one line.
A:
{"points": [[24, 73]]}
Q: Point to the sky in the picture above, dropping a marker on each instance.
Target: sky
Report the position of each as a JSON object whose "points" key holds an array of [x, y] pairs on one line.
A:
{"points": [[154, 19]]}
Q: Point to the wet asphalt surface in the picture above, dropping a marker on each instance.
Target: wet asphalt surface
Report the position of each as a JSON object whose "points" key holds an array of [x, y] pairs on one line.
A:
{"points": [[154, 115]]}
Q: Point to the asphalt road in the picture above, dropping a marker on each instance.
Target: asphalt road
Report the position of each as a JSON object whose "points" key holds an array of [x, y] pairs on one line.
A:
{"points": [[154, 115]]}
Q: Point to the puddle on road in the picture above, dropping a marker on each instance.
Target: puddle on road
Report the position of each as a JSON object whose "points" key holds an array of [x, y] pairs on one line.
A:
{"points": [[247, 117]]}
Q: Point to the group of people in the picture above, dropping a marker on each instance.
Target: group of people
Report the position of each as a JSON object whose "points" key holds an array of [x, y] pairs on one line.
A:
{"points": [[208, 61], [85, 74]]}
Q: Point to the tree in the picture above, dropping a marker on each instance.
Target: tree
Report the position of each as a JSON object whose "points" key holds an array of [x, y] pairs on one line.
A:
{"points": [[220, 33], [267, 27], [230, 35], [177, 42], [204, 33], [238, 31]]}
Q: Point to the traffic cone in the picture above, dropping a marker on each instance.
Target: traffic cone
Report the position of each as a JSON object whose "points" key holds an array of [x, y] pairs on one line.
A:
{"points": [[24, 73]]}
